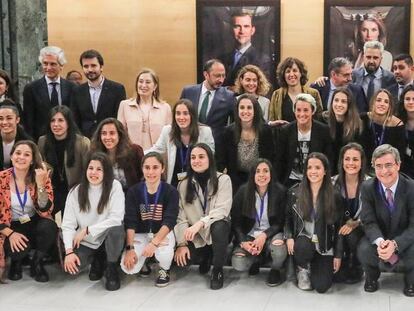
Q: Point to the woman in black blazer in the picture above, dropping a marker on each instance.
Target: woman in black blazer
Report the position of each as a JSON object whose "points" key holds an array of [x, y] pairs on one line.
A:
{"points": [[244, 141], [257, 222]]}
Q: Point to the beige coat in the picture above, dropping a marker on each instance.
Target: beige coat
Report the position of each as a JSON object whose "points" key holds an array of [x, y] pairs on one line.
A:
{"points": [[218, 208], [130, 116]]}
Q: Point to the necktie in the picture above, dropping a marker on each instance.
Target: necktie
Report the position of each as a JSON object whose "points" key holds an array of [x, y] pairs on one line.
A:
{"points": [[54, 99], [390, 199], [370, 89], [237, 56], [203, 111]]}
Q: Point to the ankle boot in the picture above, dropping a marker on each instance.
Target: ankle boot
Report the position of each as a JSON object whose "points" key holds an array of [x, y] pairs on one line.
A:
{"points": [[216, 281], [112, 277], [15, 271], [37, 270], [97, 267]]}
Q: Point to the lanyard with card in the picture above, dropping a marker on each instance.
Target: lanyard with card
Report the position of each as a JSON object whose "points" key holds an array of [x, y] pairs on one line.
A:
{"points": [[148, 208], [183, 159], [260, 214], [25, 217]]}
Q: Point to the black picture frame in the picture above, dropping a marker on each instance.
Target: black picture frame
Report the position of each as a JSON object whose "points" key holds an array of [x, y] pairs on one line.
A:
{"points": [[214, 30], [343, 21]]}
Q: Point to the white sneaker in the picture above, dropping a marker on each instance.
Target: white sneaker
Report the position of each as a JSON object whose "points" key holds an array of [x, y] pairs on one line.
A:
{"points": [[304, 279]]}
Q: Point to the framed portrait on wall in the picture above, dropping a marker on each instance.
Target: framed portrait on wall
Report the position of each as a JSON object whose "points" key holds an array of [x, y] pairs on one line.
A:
{"points": [[238, 33], [351, 23]]}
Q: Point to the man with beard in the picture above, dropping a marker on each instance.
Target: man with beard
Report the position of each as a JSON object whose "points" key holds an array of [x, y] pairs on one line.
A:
{"points": [[403, 70], [372, 76], [98, 98]]}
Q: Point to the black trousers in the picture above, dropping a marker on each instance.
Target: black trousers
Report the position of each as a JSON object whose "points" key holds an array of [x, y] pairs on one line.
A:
{"points": [[220, 231], [321, 267], [41, 233], [368, 256]]}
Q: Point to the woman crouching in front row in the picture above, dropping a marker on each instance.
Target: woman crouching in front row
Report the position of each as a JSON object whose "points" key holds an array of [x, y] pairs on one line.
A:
{"points": [[258, 216], [313, 218]]}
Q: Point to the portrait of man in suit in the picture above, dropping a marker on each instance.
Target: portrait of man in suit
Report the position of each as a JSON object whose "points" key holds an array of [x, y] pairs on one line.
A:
{"points": [[238, 36]]}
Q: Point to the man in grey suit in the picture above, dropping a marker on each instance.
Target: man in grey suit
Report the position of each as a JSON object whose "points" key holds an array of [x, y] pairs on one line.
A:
{"points": [[387, 215], [213, 102], [372, 76], [41, 95]]}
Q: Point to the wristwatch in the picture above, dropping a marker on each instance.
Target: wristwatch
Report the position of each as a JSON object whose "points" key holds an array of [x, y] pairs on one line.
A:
{"points": [[129, 247]]}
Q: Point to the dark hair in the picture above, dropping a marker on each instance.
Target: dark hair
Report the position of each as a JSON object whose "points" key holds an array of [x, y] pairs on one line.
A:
{"points": [[91, 54], [352, 124], [108, 179], [359, 42], [325, 199], [208, 64], [123, 150], [341, 172], [175, 134], [213, 181], [72, 71], [257, 118], [153, 154], [240, 13], [10, 86], [50, 152], [249, 206], [402, 113], [288, 63], [37, 161], [155, 79], [337, 63], [404, 57], [9, 104]]}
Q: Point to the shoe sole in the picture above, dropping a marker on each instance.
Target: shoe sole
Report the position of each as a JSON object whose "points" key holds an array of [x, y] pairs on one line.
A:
{"points": [[162, 285]]}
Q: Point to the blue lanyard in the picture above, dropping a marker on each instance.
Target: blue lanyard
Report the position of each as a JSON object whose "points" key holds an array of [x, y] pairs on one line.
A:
{"points": [[260, 214], [183, 158], [146, 199], [379, 139], [22, 203]]}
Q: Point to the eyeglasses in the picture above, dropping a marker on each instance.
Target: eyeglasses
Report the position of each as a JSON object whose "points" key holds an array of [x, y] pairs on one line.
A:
{"points": [[380, 167]]}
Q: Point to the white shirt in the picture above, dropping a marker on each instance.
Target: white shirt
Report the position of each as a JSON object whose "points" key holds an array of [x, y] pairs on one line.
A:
{"points": [[95, 93]]}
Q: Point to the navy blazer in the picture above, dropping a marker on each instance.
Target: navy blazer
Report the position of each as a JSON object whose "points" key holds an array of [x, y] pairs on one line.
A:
{"points": [[387, 81], [252, 56], [222, 107], [36, 105], [376, 219], [356, 90], [87, 120], [288, 141]]}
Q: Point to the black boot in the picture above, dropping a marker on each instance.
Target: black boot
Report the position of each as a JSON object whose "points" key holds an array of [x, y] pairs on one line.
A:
{"points": [[112, 277], [15, 271], [97, 267], [37, 270], [354, 270], [217, 278]]}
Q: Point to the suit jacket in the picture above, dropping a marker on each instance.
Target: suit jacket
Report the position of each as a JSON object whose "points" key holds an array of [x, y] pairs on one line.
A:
{"points": [[252, 56], [387, 78], [36, 105], [376, 219], [87, 120], [227, 154], [20, 135], [356, 90], [288, 141], [222, 107]]}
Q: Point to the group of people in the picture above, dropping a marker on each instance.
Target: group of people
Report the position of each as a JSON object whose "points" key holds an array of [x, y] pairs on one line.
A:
{"points": [[137, 181]]}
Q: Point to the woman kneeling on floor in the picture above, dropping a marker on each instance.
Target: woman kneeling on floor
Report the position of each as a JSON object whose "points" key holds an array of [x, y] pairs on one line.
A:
{"points": [[203, 225], [258, 215], [92, 224], [313, 218], [150, 216]]}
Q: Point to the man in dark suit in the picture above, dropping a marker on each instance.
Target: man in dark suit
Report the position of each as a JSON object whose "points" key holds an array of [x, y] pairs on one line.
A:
{"points": [[372, 76], [98, 98], [244, 53], [340, 75], [214, 103], [300, 138], [41, 95], [403, 70], [387, 215]]}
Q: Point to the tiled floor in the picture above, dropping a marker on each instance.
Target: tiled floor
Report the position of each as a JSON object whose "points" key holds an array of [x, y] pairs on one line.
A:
{"points": [[189, 291]]}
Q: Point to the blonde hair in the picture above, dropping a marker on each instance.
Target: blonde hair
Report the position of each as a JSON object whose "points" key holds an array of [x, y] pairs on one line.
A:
{"points": [[263, 85]]}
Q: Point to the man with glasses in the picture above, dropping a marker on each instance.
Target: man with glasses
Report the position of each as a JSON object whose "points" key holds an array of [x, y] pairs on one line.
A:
{"points": [[387, 216], [340, 75]]}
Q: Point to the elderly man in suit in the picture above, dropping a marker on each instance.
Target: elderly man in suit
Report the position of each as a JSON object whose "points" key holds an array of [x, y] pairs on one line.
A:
{"points": [[98, 98], [244, 53], [387, 216], [41, 95], [340, 75], [372, 76], [214, 103]]}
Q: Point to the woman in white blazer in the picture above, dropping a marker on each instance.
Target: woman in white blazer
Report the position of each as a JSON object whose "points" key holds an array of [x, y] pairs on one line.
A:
{"points": [[176, 140]]}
